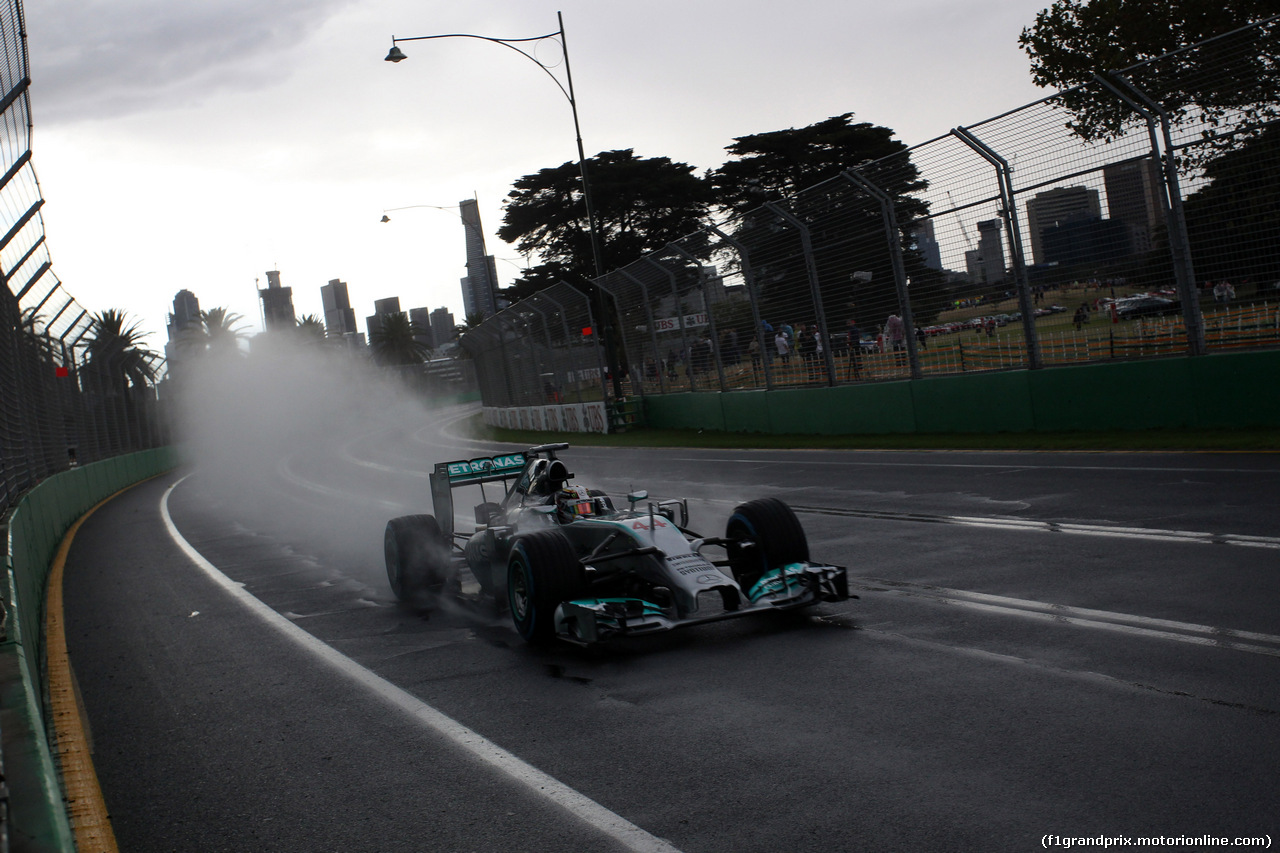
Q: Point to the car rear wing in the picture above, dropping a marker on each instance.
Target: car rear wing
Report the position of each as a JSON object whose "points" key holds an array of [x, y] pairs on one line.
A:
{"points": [[448, 476]]}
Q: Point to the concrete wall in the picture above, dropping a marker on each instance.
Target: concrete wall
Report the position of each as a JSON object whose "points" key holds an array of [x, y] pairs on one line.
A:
{"points": [[1219, 390], [37, 814]]}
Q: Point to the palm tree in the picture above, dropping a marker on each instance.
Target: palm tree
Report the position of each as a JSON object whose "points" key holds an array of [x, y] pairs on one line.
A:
{"points": [[397, 341], [311, 329], [219, 331], [46, 348], [116, 354]]}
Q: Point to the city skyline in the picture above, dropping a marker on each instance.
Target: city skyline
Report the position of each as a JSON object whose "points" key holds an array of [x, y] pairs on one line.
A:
{"points": [[206, 137]]}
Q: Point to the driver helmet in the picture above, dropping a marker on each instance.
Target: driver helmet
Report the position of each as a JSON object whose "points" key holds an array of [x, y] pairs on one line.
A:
{"points": [[574, 502]]}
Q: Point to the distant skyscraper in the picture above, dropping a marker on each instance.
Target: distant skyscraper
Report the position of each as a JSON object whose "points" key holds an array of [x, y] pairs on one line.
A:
{"points": [[277, 304], [480, 286], [1134, 197], [381, 308], [421, 319], [927, 245], [186, 313], [184, 320], [339, 318], [1055, 208], [991, 251], [442, 326]]}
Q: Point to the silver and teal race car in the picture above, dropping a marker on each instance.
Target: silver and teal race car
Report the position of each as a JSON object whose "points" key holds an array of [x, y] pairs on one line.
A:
{"points": [[569, 564]]}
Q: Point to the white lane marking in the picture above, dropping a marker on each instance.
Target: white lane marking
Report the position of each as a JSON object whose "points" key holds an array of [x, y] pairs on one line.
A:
{"points": [[1034, 525], [1007, 466], [537, 782], [1166, 629]]}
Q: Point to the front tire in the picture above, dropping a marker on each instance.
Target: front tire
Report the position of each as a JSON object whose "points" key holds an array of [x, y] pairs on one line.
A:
{"points": [[542, 571], [779, 539], [417, 558]]}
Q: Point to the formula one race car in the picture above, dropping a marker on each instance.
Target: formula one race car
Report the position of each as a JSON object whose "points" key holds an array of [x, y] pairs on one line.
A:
{"points": [[569, 564]]}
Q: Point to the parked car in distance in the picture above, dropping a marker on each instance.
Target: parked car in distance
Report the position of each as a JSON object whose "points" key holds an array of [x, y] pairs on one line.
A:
{"points": [[1146, 306]]}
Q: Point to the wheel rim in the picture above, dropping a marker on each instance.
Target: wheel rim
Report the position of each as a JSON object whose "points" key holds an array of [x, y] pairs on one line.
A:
{"points": [[519, 592]]}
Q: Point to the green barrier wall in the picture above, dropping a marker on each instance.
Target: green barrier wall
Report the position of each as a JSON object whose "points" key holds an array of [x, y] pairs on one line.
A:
{"points": [[1212, 391], [37, 814]]}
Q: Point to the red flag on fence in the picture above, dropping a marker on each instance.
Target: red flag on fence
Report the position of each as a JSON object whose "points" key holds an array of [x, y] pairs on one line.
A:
{"points": [[61, 372], [586, 331]]}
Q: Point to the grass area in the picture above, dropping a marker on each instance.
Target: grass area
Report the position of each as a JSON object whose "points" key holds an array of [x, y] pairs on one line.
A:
{"points": [[1250, 440]]}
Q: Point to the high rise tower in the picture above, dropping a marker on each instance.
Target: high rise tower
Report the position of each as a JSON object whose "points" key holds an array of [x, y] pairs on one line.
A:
{"points": [[277, 304], [339, 318], [1056, 208], [480, 286], [1134, 197]]}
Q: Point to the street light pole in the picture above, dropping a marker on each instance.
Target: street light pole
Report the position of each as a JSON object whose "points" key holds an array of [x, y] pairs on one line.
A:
{"points": [[396, 55]]}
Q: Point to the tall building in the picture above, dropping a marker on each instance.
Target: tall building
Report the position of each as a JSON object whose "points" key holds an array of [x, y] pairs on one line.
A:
{"points": [[1055, 208], [927, 244], [422, 333], [339, 318], [442, 326], [381, 308], [184, 319], [1135, 197], [991, 251], [277, 304], [480, 285], [186, 313]]}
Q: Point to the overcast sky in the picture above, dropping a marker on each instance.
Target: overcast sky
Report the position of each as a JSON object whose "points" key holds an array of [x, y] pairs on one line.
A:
{"points": [[198, 145]]}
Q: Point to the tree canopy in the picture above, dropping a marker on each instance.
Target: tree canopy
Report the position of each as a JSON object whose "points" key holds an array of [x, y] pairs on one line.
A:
{"points": [[397, 340], [640, 205], [846, 225], [116, 353], [768, 167], [1073, 39]]}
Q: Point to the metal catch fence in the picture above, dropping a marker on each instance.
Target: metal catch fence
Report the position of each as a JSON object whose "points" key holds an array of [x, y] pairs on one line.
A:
{"points": [[65, 393], [1132, 217]]}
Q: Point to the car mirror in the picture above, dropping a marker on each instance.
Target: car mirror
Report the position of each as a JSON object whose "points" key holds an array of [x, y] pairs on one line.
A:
{"points": [[636, 497]]}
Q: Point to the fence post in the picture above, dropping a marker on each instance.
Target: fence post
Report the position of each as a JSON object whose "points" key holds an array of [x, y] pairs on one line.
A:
{"points": [[1010, 214], [653, 329], [749, 277], [1171, 201], [679, 306], [711, 317], [894, 239], [597, 333], [811, 269]]}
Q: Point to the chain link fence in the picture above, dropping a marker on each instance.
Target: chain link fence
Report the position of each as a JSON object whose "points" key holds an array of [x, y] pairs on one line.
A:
{"points": [[65, 397], [1133, 217]]}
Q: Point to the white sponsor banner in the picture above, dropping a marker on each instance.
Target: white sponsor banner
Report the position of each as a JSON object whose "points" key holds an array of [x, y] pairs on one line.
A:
{"points": [[672, 324], [569, 417]]}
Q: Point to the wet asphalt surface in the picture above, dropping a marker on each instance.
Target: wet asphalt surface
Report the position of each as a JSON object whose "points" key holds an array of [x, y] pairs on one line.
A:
{"points": [[1045, 644]]}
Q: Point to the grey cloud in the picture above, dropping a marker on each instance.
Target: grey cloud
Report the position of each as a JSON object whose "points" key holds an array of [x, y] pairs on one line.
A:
{"points": [[100, 59]]}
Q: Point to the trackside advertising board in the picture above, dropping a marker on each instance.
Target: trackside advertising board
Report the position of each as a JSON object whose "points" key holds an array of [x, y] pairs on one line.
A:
{"points": [[571, 417]]}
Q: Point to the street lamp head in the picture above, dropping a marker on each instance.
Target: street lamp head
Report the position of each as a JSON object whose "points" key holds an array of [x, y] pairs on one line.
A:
{"points": [[395, 54]]}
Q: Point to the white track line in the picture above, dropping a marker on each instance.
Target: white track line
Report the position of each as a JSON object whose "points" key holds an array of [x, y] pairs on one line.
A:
{"points": [[1194, 537], [1165, 629], [537, 782]]}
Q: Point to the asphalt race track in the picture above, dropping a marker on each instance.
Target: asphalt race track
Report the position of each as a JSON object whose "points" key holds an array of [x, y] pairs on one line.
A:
{"points": [[1046, 644]]}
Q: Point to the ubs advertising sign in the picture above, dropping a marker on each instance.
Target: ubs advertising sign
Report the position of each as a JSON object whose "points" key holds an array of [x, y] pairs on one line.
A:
{"points": [[691, 321]]}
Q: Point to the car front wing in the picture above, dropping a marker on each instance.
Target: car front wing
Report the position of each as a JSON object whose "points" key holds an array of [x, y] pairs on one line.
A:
{"points": [[585, 621]]}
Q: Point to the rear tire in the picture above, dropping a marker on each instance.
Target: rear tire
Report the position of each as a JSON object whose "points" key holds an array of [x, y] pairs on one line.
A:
{"points": [[542, 571], [779, 539], [417, 558]]}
